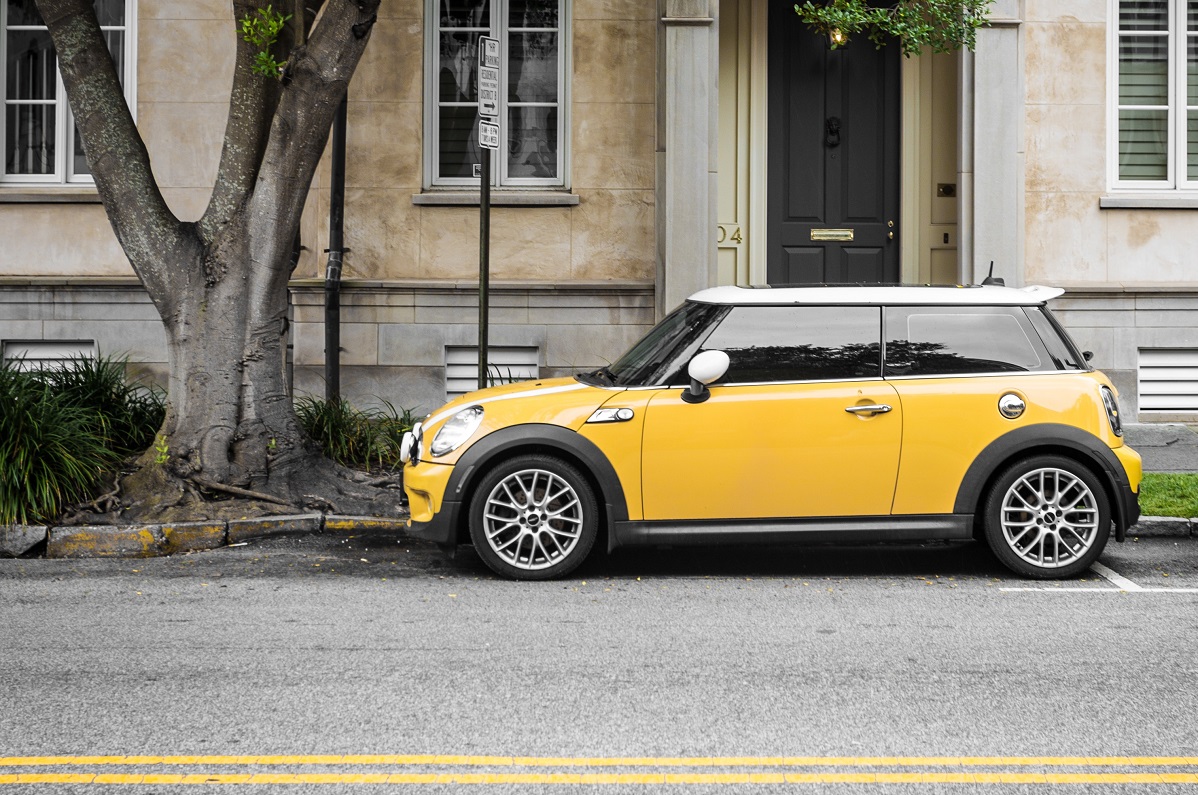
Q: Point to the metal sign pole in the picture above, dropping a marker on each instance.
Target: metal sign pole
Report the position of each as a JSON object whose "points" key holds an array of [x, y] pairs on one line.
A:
{"points": [[488, 139], [484, 262]]}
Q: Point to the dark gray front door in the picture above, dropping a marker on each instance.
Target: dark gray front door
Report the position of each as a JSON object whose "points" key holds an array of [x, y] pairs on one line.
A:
{"points": [[833, 157]]}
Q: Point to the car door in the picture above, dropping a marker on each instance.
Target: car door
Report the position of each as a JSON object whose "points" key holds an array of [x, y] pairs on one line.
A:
{"points": [[801, 425]]}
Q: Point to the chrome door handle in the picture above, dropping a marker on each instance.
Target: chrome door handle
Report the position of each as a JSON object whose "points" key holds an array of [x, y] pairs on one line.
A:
{"points": [[871, 409]]}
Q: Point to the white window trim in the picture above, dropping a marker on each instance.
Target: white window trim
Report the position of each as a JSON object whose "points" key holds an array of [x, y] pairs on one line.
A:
{"points": [[499, 178], [63, 174], [1176, 181]]}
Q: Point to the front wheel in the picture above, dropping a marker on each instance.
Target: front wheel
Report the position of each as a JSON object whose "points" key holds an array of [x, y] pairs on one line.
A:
{"points": [[1047, 517], [533, 517]]}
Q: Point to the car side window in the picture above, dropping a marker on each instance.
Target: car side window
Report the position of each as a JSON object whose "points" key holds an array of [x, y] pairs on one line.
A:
{"points": [[931, 340], [799, 343]]}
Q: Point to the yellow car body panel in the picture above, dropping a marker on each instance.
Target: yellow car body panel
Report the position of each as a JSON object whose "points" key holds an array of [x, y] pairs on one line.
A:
{"points": [[948, 422], [621, 442], [771, 450]]}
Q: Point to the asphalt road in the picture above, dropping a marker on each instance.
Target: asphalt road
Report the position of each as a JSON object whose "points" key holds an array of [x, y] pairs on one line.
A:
{"points": [[827, 665]]}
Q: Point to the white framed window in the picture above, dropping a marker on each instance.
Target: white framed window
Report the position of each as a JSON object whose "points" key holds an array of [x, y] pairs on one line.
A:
{"points": [[534, 81], [1154, 95], [38, 139]]}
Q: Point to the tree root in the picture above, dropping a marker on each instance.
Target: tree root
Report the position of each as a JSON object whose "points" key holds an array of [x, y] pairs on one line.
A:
{"points": [[236, 491]]}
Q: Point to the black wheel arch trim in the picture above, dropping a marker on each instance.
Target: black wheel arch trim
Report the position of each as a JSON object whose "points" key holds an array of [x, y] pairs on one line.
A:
{"points": [[534, 438], [1046, 437]]}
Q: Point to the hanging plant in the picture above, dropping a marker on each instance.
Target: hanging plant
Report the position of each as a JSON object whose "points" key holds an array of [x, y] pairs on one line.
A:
{"points": [[941, 26]]}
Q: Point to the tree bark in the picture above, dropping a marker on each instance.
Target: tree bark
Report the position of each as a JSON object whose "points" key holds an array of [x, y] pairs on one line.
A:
{"points": [[220, 283]]}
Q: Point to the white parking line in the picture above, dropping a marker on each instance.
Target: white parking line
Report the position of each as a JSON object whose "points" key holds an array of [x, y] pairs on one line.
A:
{"points": [[1123, 585], [1115, 577]]}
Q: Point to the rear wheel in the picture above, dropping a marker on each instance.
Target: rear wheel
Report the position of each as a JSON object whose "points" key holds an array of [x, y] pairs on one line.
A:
{"points": [[1047, 517], [533, 517]]}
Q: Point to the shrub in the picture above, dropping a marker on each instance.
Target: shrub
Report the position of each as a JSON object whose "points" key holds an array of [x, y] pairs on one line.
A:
{"points": [[361, 438], [128, 413], [50, 452]]}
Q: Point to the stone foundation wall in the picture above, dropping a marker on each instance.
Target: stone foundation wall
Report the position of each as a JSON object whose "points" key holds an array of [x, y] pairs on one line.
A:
{"points": [[393, 334]]}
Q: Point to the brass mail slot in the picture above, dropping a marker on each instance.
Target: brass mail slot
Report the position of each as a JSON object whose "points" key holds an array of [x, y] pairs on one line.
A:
{"points": [[834, 235]]}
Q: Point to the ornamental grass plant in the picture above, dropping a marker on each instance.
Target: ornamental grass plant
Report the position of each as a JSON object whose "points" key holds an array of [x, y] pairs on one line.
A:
{"points": [[50, 452], [357, 438]]}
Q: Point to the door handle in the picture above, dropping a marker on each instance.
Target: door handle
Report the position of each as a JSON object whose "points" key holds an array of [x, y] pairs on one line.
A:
{"points": [[872, 409]]}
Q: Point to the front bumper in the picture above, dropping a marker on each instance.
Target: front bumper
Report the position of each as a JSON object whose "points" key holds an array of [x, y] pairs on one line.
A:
{"points": [[433, 517], [442, 528]]}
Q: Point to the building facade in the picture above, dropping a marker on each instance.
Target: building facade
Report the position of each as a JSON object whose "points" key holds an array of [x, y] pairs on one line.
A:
{"points": [[648, 150]]}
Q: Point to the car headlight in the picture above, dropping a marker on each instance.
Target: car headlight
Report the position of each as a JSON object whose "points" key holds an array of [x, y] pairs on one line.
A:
{"points": [[1112, 410], [459, 428]]}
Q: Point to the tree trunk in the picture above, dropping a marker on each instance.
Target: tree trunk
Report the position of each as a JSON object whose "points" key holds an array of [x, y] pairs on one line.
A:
{"points": [[220, 283]]}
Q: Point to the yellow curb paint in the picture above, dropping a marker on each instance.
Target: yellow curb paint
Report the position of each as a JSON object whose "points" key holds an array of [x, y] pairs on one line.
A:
{"points": [[537, 761]]}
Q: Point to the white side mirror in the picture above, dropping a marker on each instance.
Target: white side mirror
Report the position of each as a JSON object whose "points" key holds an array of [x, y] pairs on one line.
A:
{"points": [[705, 368]]}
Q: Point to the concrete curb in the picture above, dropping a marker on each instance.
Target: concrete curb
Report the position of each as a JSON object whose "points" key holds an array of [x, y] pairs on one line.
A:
{"points": [[155, 540]]}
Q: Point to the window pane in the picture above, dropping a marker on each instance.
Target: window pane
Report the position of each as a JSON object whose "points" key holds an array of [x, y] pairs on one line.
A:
{"points": [[788, 343], [1192, 128], [29, 139], [79, 165], [465, 14], [1143, 70], [533, 14], [1143, 144], [1192, 70], [459, 141], [532, 67], [23, 12], [459, 67], [1192, 16], [1144, 15], [532, 142], [116, 47], [943, 341], [110, 12], [30, 66]]}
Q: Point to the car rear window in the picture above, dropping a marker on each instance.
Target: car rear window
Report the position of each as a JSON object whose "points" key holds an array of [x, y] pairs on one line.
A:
{"points": [[951, 340], [799, 343]]}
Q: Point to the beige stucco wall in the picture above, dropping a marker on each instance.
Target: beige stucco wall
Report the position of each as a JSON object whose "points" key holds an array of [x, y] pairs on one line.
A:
{"points": [[185, 67], [608, 235], [1070, 239]]}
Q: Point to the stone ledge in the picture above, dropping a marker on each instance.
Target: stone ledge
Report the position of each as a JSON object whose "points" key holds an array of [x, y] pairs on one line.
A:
{"points": [[17, 539], [347, 524], [270, 526], [1163, 527], [133, 541]]}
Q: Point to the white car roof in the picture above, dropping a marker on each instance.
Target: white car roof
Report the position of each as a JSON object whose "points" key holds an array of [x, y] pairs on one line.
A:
{"points": [[891, 295]]}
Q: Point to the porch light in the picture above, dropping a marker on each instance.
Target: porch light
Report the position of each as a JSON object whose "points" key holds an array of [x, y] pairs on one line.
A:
{"points": [[836, 38]]}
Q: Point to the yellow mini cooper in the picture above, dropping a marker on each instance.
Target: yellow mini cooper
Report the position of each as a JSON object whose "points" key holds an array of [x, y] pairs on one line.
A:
{"points": [[776, 415]]}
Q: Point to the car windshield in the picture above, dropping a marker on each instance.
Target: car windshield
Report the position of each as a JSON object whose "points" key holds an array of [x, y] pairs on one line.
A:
{"points": [[665, 350]]}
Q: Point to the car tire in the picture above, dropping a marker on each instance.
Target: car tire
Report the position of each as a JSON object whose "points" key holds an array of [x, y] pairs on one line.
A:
{"points": [[1047, 517], [533, 517]]}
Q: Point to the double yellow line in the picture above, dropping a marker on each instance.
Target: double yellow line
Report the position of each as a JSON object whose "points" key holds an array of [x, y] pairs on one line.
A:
{"points": [[615, 770]]}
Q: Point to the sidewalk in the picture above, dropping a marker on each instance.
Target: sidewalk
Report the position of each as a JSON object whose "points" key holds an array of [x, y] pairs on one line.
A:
{"points": [[1171, 447]]}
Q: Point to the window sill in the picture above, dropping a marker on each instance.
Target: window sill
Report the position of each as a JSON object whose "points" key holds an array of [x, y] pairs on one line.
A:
{"points": [[499, 198], [27, 194], [1171, 200]]}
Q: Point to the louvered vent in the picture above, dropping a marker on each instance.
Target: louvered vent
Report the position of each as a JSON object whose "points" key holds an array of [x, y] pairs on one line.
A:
{"points": [[504, 365], [47, 354], [1169, 379]]}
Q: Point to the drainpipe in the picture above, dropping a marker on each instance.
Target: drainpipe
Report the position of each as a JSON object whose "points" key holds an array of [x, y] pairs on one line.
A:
{"points": [[332, 275]]}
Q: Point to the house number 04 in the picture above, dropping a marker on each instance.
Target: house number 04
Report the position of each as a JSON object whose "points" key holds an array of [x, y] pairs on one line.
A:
{"points": [[723, 236]]}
